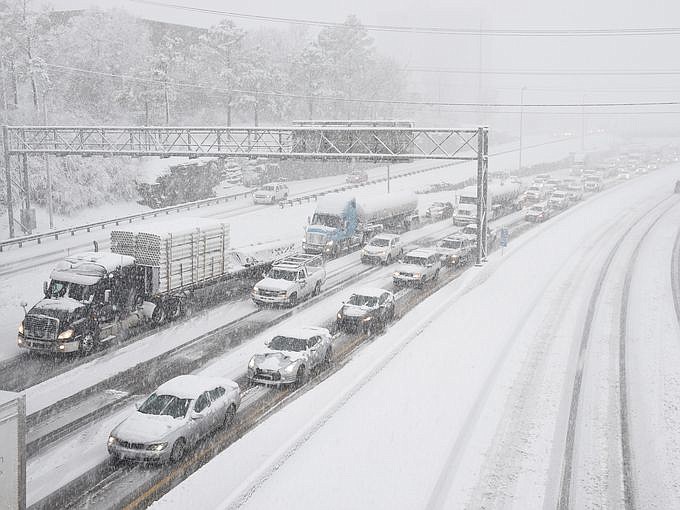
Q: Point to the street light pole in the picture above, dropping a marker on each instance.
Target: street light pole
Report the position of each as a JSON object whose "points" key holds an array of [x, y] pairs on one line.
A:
{"points": [[388, 177], [521, 126]]}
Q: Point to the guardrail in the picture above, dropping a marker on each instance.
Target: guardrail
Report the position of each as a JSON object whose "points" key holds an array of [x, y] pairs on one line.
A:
{"points": [[153, 213], [349, 186]]}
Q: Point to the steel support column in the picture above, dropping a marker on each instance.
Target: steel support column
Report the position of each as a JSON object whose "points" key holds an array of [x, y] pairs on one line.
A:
{"points": [[482, 188], [8, 178]]}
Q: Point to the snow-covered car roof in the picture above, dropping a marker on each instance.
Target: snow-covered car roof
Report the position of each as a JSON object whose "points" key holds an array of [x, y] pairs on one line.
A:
{"points": [[385, 236], [302, 332], [421, 252], [191, 386], [370, 292]]}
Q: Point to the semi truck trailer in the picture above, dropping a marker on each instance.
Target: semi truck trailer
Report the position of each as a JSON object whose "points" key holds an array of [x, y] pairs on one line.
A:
{"points": [[346, 222], [150, 275]]}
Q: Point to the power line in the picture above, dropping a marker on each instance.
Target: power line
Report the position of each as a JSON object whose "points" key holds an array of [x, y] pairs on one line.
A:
{"points": [[360, 100], [538, 72], [511, 32]]}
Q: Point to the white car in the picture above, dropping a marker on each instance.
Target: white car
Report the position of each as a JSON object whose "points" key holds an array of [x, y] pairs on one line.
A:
{"points": [[559, 200], [174, 417], [271, 193], [417, 268], [383, 248], [291, 356]]}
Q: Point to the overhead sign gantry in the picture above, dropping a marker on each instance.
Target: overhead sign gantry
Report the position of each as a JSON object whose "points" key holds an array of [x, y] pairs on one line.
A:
{"points": [[325, 141]]}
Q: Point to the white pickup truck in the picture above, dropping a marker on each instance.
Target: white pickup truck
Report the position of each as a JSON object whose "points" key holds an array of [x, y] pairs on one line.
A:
{"points": [[290, 280]]}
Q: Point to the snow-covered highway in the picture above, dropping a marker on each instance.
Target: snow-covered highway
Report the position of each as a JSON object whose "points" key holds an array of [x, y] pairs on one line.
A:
{"points": [[467, 402]]}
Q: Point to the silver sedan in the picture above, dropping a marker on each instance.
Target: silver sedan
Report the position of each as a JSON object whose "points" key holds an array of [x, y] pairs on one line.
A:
{"points": [[291, 356], [174, 417]]}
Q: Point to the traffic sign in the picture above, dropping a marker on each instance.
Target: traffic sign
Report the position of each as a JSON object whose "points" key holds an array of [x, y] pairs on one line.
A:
{"points": [[504, 237]]}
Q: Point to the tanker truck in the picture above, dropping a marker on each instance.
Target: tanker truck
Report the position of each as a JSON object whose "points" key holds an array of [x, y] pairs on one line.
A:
{"points": [[500, 197], [150, 275], [346, 222]]}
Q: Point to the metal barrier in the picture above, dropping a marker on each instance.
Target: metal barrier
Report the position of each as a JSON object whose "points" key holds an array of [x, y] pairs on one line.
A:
{"points": [[117, 221], [19, 241]]}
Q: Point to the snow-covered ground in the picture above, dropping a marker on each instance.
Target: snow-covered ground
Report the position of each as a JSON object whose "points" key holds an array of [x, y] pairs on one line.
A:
{"points": [[249, 225], [464, 402]]}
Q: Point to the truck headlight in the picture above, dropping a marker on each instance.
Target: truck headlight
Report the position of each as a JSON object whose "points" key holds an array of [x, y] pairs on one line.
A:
{"points": [[157, 447], [417, 275], [112, 440], [366, 319], [396, 274], [329, 243], [256, 290], [251, 364], [21, 328], [339, 315], [65, 335]]}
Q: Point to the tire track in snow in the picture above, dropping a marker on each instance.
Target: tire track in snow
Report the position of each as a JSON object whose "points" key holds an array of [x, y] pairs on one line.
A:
{"points": [[564, 502]]}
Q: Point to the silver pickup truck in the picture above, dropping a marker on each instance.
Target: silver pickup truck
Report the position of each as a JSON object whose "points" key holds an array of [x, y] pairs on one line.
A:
{"points": [[290, 280]]}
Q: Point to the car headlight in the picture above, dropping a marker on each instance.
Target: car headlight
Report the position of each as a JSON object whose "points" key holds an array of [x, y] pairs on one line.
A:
{"points": [[112, 440], [256, 290], [251, 363], [366, 319], [290, 368], [339, 315], [396, 274], [157, 447], [21, 328], [65, 335], [417, 275], [329, 243]]}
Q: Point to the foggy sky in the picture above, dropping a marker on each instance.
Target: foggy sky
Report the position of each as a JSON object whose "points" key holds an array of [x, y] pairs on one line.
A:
{"points": [[497, 53]]}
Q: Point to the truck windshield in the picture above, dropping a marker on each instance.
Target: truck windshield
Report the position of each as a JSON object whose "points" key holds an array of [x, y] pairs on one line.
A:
{"points": [[327, 220], [282, 274], [379, 242], [359, 300], [286, 343], [168, 405], [58, 289], [453, 244], [417, 261]]}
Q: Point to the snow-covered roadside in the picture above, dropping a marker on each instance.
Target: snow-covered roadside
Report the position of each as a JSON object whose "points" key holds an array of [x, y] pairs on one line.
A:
{"points": [[653, 362], [376, 433]]}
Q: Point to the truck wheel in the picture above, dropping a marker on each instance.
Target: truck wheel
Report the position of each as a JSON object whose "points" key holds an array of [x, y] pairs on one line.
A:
{"points": [[389, 259], [292, 300], [159, 313], [88, 343], [317, 289], [328, 358]]}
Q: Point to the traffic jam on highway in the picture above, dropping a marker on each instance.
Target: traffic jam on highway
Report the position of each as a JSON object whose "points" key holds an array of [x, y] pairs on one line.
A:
{"points": [[365, 261]]}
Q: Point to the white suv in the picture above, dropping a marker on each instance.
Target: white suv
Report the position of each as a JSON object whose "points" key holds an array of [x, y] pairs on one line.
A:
{"points": [[383, 248], [417, 268], [270, 193]]}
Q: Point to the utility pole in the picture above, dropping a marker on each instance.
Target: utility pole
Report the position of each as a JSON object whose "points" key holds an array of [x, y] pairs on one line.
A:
{"points": [[583, 123], [50, 211], [521, 126], [388, 177]]}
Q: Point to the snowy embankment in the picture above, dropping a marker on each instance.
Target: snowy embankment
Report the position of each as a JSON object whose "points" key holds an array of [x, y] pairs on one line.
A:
{"points": [[248, 224], [423, 414]]}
